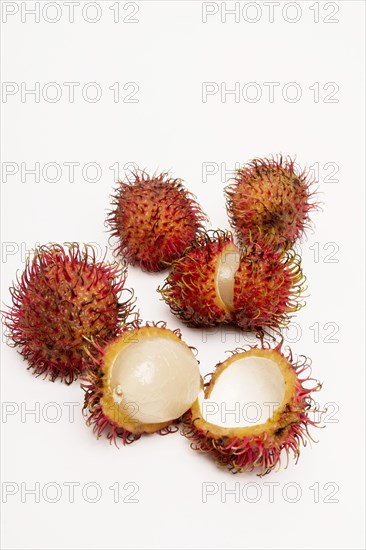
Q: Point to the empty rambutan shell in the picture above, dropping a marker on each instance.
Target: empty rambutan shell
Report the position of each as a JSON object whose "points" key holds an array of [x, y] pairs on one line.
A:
{"points": [[63, 296], [200, 286], [142, 382], [154, 219], [269, 203], [215, 283], [255, 408]]}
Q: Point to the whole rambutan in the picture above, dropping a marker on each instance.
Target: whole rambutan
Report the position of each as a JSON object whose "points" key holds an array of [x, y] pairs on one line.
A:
{"points": [[268, 286], [255, 406], [200, 285], [216, 283], [63, 297], [269, 202], [141, 382], [154, 219]]}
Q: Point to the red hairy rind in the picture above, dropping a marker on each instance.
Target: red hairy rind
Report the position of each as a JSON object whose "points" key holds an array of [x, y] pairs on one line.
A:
{"points": [[269, 202], [63, 296], [262, 452], [154, 219], [190, 288], [92, 384], [268, 288]]}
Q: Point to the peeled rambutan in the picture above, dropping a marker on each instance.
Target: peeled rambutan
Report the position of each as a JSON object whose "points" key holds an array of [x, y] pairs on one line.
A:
{"points": [[154, 219], [269, 202], [215, 283], [63, 297], [141, 382], [255, 406], [267, 288], [200, 285]]}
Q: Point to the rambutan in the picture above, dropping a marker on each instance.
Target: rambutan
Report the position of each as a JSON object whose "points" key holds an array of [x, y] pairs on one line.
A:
{"points": [[141, 382], [255, 406], [64, 296], [268, 286], [215, 283], [269, 202], [200, 286], [154, 219]]}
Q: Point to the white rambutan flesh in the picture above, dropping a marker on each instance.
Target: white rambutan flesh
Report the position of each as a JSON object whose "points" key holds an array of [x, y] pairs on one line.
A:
{"points": [[229, 264], [159, 377], [246, 393]]}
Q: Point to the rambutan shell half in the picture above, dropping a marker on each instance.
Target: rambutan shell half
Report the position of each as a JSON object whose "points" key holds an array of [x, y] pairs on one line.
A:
{"points": [[258, 446]]}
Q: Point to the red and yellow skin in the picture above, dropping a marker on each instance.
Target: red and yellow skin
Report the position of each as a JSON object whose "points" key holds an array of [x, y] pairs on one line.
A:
{"points": [[63, 297], [191, 288], [258, 447], [267, 285], [267, 288], [154, 219], [269, 202]]}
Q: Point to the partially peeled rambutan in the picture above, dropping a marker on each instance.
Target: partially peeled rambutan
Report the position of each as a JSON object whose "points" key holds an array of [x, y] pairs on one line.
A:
{"points": [[200, 286], [255, 408], [215, 283], [141, 382], [154, 219], [269, 202], [64, 296]]}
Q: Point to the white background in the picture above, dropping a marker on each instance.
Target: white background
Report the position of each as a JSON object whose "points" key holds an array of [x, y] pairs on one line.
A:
{"points": [[169, 53]]}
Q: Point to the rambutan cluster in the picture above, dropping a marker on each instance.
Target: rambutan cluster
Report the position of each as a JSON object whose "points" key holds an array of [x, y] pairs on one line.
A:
{"points": [[67, 317], [258, 282]]}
